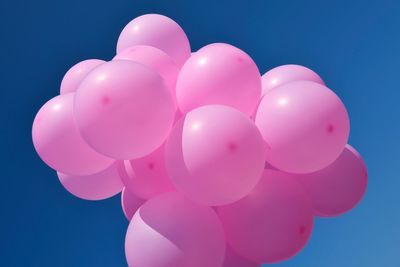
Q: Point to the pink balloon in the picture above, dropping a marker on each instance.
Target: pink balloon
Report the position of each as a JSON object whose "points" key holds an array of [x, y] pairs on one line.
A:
{"points": [[215, 155], [339, 187], [219, 74], [288, 73], [147, 177], [124, 110], [232, 259], [155, 59], [77, 73], [130, 203], [272, 223], [305, 125], [57, 140], [158, 31], [171, 231], [98, 186]]}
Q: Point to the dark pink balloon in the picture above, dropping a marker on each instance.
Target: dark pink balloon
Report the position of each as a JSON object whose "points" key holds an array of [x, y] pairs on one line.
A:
{"points": [[124, 110], [305, 126], [171, 231], [98, 186], [130, 203], [339, 187], [219, 74], [158, 31], [232, 259], [272, 223], [147, 177], [77, 73], [288, 73], [58, 142]]}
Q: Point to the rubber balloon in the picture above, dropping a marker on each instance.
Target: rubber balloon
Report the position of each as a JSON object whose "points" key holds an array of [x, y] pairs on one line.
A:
{"points": [[77, 73], [339, 187], [219, 74], [157, 31], [288, 73], [215, 155], [272, 223], [124, 110], [57, 140], [305, 126], [147, 177], [98, 186], [232, 259], [130, 203], [171, 231], [154, 58]]}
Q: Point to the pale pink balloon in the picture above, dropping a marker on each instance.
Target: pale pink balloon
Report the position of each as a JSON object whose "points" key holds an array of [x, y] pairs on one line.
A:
{"points": [[158, 31], [215, 155], [219, 74], [288, 73], [155, 59], [272, 223], [124, 110], [339, 187], [147, 177], [232, 259], [57, 140], [305, 125], [98, 186], [130, 203], [171, 231], [77, 73]]}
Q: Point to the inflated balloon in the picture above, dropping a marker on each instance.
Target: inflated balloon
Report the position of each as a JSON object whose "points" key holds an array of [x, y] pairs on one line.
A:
{"points": [[130, 203], [147, 177], [155, 59], [232, 259], [219, 74], [187, 134], [158, 31], [171, 231], [339, 187], [272, 223], [57, 140], [124, 110], [215, 155], [305, 126], [98, 186], [77, 73], [286, 74]]}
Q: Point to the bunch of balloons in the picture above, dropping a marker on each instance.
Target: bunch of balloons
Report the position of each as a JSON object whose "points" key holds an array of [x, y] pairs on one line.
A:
{"points": [[217, 165]]}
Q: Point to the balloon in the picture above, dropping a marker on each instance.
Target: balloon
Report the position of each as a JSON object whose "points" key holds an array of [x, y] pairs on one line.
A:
{"points": [[171, 231], [288, 73], [219, 74], [305, 125], [232, 259], [57, 140], [339, 187], [77, 73], [147, 177], [130, 203], [98, 186], [124, 110], [215, 155], [272, 223], [155, 59], [158, 31]]}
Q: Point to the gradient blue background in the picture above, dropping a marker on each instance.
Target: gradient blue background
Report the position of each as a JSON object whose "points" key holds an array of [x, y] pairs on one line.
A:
{"points": [[353, 45]]}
